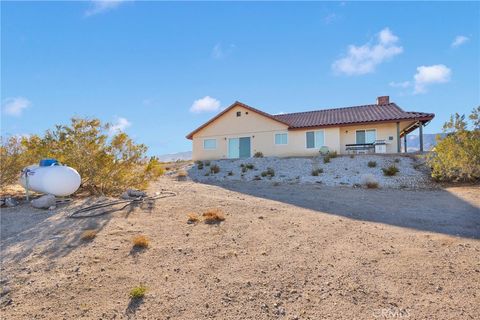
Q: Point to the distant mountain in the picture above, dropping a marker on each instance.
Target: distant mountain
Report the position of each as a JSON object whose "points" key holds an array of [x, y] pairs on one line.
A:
{"points": [[429, 141], [187, 155]]}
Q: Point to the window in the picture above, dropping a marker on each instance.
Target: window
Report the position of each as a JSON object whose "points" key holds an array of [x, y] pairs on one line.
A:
{"points": [[281, 138], [239, 113], [366, 136], [315, 139], [210, 144]]}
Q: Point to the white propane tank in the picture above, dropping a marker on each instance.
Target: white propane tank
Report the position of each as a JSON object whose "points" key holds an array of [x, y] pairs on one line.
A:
{"points": [[54, 179]]}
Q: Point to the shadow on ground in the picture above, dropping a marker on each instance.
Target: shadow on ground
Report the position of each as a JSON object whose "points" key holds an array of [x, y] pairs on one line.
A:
{"points": [[427, 210]]}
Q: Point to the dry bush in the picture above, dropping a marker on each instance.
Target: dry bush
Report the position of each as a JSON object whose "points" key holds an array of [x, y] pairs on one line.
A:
{"points": [[12, 160], [214, 169], [390, 171], [372, 164], [138, 292], [193, 217], [88, 235], [199, 164], [258, 154], [369, 181], [213, 216], [268, 173], [140, 242], [182, 175], [316, 172]]}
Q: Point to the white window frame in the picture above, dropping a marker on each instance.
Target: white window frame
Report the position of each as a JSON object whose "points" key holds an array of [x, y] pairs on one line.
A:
{"points": [[204, 140], [369, 129], [315, 146], [275, 140]]}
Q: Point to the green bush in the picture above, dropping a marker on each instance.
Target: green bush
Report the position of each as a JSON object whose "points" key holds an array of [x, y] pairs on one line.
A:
{"points": [[199, 165], [12, 160], [268, 173], [372, 164], [250, 166], [326, 159], [207, 163], [108, 164], [316, 172], [390, 171], [456, 156]]}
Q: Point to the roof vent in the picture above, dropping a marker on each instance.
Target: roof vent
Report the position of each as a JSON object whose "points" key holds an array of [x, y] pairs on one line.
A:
{"points": [[383, 100]]}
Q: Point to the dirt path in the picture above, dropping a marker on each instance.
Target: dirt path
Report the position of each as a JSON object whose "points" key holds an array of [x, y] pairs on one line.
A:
{"points": [[288, 251]]}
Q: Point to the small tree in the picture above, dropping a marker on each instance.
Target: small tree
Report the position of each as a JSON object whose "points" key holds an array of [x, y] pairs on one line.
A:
{"points": [[107, 164], [12, 159], [457, 155]]}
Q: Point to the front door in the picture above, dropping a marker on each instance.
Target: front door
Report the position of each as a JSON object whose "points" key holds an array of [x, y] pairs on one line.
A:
{"points": [[239, 147], [245, 147]]}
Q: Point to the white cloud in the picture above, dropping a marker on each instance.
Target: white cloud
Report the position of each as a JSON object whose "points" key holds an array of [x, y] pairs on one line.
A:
{"points": [[427, 75], [459, 40], [100, 6], [219, 52], [15, 106], [119, 125], [205, 104], [404, 84], [364, 59], [330, 18]]}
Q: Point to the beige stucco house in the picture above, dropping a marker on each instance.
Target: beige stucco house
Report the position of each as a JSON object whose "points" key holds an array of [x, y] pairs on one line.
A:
{"points": [[240, 131]]}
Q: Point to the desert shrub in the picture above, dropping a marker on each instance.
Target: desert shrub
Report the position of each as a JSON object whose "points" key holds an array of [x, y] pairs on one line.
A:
{"points": [[352, 156], [193, 217], [397, 160], [199, 165], [214, 169], [457, 155], [390, 170], [244, 169], [207, 174], [140, 241], [213, 216], [138, 292], [268, 173], [316, 172], [372, 164], [108, 161], [12, 159], [250, 166], [326, 159], [258, 154], [369, 181], [333, 154], [182, 174], [88, 235], [207, 163], [230, 173]]}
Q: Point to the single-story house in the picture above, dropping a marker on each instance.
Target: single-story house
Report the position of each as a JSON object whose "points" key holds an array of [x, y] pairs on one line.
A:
{"points": [[240, 131]]}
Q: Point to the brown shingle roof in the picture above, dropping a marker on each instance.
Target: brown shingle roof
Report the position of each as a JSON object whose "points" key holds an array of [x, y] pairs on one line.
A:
{"points": [[333, 117], [350, 115]]}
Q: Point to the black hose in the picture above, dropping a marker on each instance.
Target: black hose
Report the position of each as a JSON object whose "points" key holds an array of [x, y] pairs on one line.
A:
{"points": [[78, 213]]}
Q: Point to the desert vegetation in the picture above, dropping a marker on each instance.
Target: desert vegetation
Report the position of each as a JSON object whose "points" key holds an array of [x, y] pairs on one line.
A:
{"points": [[140, 242], [212, 216], [316, 172], [89, 235], [107, 164], [138, 292], [268, 173], [372, 164], [369, 181], [390, 171], [258, 154], [457, 155]]}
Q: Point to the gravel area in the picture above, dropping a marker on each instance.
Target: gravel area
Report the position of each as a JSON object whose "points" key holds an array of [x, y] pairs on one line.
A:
{"points": [[342, 170]]}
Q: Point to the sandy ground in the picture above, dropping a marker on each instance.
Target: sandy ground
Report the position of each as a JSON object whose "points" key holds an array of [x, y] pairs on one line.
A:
{"points": [[286, 252]]}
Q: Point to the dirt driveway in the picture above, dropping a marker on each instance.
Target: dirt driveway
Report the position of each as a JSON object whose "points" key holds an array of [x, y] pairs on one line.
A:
{"points": [[283, 252]]}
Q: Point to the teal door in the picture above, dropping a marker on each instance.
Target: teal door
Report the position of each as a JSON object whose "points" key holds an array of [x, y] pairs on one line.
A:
{"points": [[244, 147], [233, 148]]}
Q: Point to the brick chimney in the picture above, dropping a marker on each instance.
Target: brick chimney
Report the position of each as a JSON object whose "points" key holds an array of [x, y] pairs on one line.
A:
{"points": [[383, 100]]}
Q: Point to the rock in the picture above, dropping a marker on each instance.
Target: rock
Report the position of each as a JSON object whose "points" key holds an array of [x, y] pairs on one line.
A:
{"points": [[44, 202], [5, 290], [10, 202], [52, 208]]}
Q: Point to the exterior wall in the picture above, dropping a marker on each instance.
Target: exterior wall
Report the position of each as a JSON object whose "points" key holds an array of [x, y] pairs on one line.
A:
{"points": [[261, 131]]}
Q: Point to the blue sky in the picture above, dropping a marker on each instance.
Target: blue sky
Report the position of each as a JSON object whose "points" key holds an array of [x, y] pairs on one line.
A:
{"points": [[159, 69]]}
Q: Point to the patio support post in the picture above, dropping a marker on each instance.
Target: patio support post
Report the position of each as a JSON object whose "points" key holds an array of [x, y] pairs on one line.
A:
{"points": [[420, 135], [405, 143], [399, 142]]}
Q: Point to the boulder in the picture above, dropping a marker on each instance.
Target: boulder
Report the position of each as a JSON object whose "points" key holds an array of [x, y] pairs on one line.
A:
{"points": [[10, 202], [44, 202]]}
